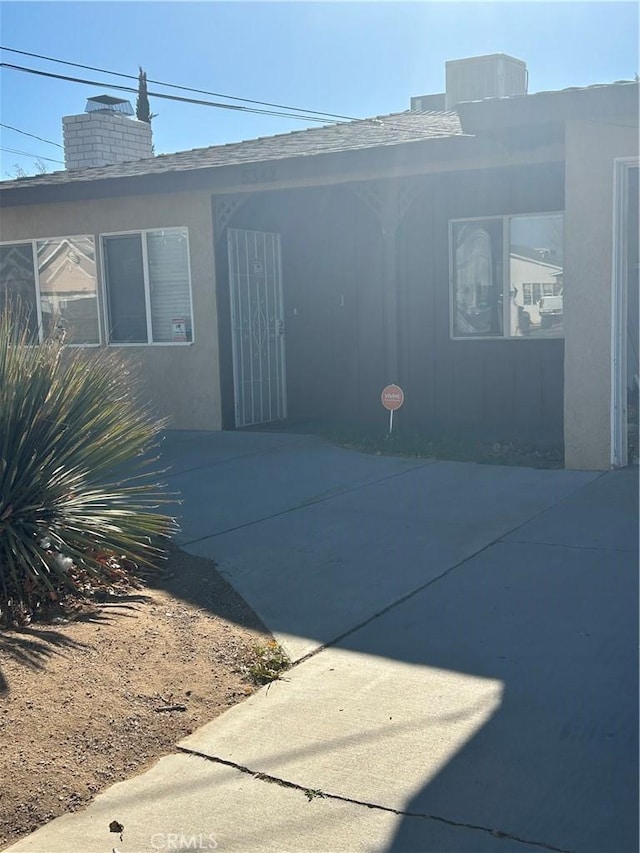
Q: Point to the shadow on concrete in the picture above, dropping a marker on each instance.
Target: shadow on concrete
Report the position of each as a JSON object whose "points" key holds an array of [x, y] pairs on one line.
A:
{"points": [[556, 765], [552, 613], [197, 581], [558, 762]]}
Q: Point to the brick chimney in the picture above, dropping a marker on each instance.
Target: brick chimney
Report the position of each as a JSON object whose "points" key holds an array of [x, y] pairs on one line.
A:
{"points": [[105, 134]]}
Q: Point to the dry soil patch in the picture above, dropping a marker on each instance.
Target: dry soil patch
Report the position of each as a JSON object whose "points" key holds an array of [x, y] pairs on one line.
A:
{"points": [[84, 704]]}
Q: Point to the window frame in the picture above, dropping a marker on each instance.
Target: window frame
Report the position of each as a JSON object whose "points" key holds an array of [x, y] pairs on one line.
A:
{"points": [[180, 229], [506, 279], [33, 242]]}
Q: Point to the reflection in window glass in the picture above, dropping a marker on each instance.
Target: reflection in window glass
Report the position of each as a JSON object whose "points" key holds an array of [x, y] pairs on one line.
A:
{"points": [[536, 284], [67, 276], [17, 281], [477, 257]]}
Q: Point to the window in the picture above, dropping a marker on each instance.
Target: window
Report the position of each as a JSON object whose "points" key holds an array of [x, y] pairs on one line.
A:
{"points": [[148, 289], [55, 281], [507, 277]]}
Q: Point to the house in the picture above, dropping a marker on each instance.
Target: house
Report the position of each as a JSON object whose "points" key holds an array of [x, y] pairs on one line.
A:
{"points": [[479, 249]]}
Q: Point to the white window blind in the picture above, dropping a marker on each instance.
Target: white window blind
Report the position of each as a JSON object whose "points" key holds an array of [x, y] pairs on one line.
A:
{"points": [[169, 286]]}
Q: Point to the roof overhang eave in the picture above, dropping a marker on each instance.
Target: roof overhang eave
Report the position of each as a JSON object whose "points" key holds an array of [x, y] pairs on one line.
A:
{"points": [[619, 100], [249, 174]]}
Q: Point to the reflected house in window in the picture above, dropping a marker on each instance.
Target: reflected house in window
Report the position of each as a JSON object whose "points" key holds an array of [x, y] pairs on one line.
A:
{"points": [[536, 292], [55, 282], [67, 280], [17, 280]]}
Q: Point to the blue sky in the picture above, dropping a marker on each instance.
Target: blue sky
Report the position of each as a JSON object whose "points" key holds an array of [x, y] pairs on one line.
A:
{"points": [[357, 59]]}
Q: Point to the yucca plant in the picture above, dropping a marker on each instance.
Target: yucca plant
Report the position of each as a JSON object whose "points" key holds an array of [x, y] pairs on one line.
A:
{"points": [[69, 418]]}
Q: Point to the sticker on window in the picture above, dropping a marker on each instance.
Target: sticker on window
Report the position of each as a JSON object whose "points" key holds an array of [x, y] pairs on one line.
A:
{"points": [[179, 330]]}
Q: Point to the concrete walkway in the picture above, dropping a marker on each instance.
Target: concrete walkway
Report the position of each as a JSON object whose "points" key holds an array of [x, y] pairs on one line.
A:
{"points": [[466, 647]]}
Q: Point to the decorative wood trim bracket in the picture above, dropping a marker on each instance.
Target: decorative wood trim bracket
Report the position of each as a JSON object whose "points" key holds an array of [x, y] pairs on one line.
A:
{"points": [[224, 206], [389, 199]]}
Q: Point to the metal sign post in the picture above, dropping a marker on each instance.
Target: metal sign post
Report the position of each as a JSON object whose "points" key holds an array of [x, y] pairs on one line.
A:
{"points": [[392, 398]]}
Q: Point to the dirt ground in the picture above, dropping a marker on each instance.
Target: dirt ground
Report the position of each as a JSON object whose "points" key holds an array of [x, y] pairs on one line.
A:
{"points": [[87, 703]]}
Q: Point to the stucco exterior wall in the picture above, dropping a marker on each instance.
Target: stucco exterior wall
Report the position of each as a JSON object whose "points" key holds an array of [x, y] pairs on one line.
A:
{"points": [[591, 149], [182, 379]]}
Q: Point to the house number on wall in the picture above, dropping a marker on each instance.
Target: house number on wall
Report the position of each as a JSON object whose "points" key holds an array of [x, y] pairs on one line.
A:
{"points": [[258, 174]]}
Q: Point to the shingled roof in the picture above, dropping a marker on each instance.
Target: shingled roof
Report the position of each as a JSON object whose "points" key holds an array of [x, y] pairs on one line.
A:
{"points": [[469, 119], [393, 129]]}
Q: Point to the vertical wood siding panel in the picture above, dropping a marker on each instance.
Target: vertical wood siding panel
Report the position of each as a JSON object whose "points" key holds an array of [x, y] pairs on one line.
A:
{"points": [[505, 388]]}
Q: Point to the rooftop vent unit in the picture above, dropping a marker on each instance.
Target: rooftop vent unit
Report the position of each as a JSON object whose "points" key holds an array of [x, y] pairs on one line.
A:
{"points": [[108, 104], [428, 102], [495, 76]]}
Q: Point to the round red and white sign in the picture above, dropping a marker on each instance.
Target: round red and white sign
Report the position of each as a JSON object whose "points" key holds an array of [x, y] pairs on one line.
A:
{"points": [[392, 397]]}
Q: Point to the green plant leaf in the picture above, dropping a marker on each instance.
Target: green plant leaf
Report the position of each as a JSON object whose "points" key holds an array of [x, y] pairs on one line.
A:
{"points": [[69, 418]]}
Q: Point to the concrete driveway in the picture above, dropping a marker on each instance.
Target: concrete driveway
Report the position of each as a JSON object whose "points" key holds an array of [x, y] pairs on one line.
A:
{"points": [[466, 647]]}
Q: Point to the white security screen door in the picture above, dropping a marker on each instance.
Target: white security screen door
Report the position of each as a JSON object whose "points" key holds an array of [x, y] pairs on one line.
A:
{"points": [[257, 326]]}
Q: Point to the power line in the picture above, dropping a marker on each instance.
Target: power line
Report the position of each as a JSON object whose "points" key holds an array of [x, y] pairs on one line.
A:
{"points": [[308, 115], [162, 95], [32, 135], [183, 88], [28, 154], [198, 102]]}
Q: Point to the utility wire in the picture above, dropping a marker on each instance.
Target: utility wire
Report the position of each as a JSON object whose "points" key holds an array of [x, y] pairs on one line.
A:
{"points": [[308, 114], [32, 135], [382, 122], [166, 97], [183, 88], [28, 154]]}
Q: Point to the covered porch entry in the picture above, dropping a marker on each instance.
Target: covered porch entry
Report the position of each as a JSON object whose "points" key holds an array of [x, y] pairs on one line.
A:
{"points": [[366, 301]]}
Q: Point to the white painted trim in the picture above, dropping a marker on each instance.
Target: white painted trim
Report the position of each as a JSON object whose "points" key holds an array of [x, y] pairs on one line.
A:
{"points": [[103, 293], [231, 263], [509, 216], [193, 325], [157, 344], [38, 294], [452, 337], [282, 339], [506, 280], [619, 273], [147, 288], [54, 237]]}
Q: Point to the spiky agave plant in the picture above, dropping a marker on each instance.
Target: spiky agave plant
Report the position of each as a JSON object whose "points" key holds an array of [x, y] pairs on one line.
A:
{"points": [[68, 419]]}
